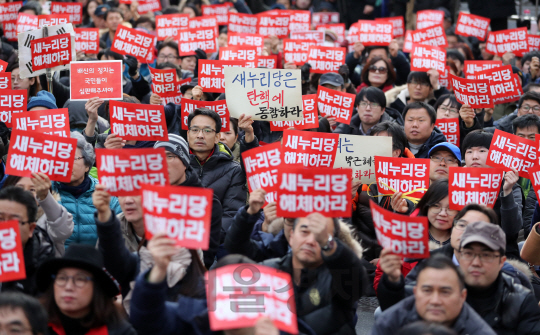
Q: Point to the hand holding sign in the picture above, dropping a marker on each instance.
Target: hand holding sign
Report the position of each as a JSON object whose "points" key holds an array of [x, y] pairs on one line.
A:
{"points": [[102, 200], [162, 250], [391, 265], [398, 203], [256, 201], [467, 114], [510, 179], [42, 184]]}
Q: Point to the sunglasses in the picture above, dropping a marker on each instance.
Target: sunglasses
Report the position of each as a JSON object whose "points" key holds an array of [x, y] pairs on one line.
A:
{"points": [[374, 69]]}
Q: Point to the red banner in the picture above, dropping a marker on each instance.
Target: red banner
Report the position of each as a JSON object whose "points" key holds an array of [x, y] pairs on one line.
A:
{"points": [[240, 294], [444, 79], [472, 25], [74, 9], [178, 97], [534, 177], [296, 51], [300, 20], [211, 76], [146, 6], [434, 36], [429, 18], [238, 53], [338, 28], [304, 191], [243, 23], [408, 43], [242, 39], [26, 22], [49, 52], [192, 39], [52, 20], [10, 30], [87, 40], [404, 235], [124, 171], [133, 42], [309, 35], [9, 11], [133, 121], [12, 101], [202, 22], [277, 25], [11, 254], [478, 185], [517, 93], [268, 62], [450, 129], [91, 79], [472, 67], [319, 18], [219, 106], [261, 166], [501, 83], [325, 59], [425, 57], [309, 149], [164, 82], [220, 11], [510, 40], [169, 25], [310, 116], [510, 151], [5, 80], [397, 23], [534, 42], [472, 92], [372, 32], [184, 213], [402, 175], [336, 104], [37, 152], [50, 121]]}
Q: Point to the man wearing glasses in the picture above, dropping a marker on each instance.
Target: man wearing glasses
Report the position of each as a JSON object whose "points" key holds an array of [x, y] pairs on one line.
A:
{"points": [[168, 53], [529, 103], [442, 156]]}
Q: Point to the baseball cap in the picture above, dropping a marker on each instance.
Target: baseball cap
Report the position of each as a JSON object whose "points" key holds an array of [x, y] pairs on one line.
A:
{"points": [[194, 82], [445, 146], [331, 78], [101, 10], [486, 233]]}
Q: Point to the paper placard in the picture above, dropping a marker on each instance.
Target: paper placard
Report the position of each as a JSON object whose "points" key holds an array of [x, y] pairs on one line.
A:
{"points": [[133, 121], [478, 185], [403, 175], [261, 166], [450, 129], [310, 116], [475, 93], [11, 252], [336, 104], [92, 79], [12, 101], [219, 107], [49, 121], [510, 151], [472, 25], [169, 25]]}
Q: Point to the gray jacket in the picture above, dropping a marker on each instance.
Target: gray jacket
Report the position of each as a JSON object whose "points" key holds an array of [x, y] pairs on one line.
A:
{"points": [[57, 221]]}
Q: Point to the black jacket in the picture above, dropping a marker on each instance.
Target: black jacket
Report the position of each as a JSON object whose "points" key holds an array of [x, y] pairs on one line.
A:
{"points": [[402, 100], [493, 9], [353, 128], [504, 124], [435, 138], [121, 328]]}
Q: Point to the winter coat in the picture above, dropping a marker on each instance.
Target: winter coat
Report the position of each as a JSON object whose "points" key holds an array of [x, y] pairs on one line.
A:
{"points": [[78, 118], [493, 9], [57, 221], [122, 328], [82, 209], [354, 128], [528, 212], [435, 138], [403, 97], [504, 124], [509, 210], [400, 62]]}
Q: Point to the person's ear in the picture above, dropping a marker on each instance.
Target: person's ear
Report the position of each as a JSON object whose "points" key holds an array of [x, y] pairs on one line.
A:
{"points": [[216, 139], [464, 294], [396, 153], [32, 226]]}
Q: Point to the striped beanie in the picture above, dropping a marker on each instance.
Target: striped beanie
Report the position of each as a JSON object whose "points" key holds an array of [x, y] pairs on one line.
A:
{"points": [[178, 146]]}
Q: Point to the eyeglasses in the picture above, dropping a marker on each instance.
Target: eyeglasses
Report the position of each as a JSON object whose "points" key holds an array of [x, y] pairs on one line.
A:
{"points": [[364, 104], [79, 280], [448, 110], [14, 330], [415, 83], [447, 160], [168, 57], [381, 70], [206, 131], [469, 256], [436, 209], [8, 217], [77, 158], [460, 224], [527, 108], [170, 157]]}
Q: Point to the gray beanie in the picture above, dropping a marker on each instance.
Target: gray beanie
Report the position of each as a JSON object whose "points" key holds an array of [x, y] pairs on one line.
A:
{"points": [[178, 146]]}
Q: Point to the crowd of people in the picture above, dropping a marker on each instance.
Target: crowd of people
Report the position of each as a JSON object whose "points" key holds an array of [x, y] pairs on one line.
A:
{"points": [[91, 270]]}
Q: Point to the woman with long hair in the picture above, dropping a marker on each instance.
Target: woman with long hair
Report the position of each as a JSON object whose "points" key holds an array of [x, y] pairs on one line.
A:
{"points": [[378, 72]]}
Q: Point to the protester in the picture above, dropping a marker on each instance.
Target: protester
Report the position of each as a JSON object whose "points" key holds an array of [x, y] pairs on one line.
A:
{"points": [[442, 156], [421, 87], [378, 72], [420, 128], [20, 313], [529, 103], [113, 18], [448, 107], [31, 85], [168, 53]]}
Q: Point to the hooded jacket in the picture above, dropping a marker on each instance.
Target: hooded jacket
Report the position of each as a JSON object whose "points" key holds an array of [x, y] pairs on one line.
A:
{"points": [[435, 138]]}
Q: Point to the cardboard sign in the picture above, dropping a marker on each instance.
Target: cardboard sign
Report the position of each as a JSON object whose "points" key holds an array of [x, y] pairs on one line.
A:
{"points": [[74, 9], [52, 20], [245, 53], [404, 235], [509, 40], [124, 171], [11, 252], [336, 104], [202, 22], [425, 57], [133, 42], [219, 107], [296, 51], [309, 35], [472, 67], [277, 25], [434, 36], [26, 22], [372, 32], [314, 150], [101, 79], [169, 25], [50, 121], [5, 80], [10, 30], [9, 11], [133, 121], [472, 25], [184, 213], [510, 151], [266, 94], [310, 118], [534, 42], [408, 43], [472, 92], [50, 52], [31, 151], [12, 101], [325, 59], [479, 185], [239, 294], [500, 81], [220, 11], [242, 39], [211, 76], [444, 79], [402, 175], [450, 129], [398, 25], [243, 23], [163, 82], [192, 39], [268, 62], [325, 18], [534, 177], [304, 191], [261, 166], [429, 18], [87, 40], [338, 28]]}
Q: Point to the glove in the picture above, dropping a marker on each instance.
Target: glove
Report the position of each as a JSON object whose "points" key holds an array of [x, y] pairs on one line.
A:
{"points": [[132, 63], [305, 72], [200, 54]]}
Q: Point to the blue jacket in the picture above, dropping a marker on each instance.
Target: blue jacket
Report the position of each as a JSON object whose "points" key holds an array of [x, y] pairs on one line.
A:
{"points": [[82, 209]]}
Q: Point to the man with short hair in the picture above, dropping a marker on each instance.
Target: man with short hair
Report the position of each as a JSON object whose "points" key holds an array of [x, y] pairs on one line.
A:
{"points": [[22, 314], [529, 103], [168, 53], [442, 156], [113, 18], [421, 87], [399, 139], [420, 128]]}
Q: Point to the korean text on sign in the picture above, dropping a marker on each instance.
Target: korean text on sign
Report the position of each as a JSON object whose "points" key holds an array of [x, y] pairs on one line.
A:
{"points": [[450, 129], [11, 253], [472, 92], [246, 53], [10, 30], [425, 57], [534, 177], [404, 235], [169, 25], [472, 67], [510, 151], [146, 6], [51, 121], [12, 101], [429, 18], [408, 43], [238, 295], [296, 51], [49, 52], [74, 9], [164, 82], [434, 36], [300, 20], [444, 78], [397, 23], [243, 23], [87, 40], [310, 35], [324, 18], [9, 11], [26, 22], [269, 95], [220, 11], [533, 41], [402, 175], [133, 42], [243, 39], [184, 213], [52, 20], [479, 185], [338, 28], [30, 151], [325, 59], [133, 121], [304, 191], [190, 40], [261, 166], [277, 25], [5, 80], [124, 171], [501, 82], [101, 79], [219, 106], [178, 97], [309, 121], [211, 75], [372, 32], [335, 104], [202, 22], [472, 25], [510, 40]]}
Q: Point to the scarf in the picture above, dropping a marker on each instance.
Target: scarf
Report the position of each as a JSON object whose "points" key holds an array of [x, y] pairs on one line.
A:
{"points": [[76, 191]]}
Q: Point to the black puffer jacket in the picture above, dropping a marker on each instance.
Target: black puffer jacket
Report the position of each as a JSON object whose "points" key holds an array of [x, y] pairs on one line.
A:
{"points": [[435, 138], [354, 127], [504, 124], [493, 9], [120, 328]]}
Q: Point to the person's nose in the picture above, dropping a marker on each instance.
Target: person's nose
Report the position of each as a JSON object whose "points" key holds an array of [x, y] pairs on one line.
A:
{"points": [[221, 137], [435, 299]]}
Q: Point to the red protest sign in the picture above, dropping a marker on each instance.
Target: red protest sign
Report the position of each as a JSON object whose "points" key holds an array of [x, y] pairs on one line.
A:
{"points": [[509, 40], [12, 101], [426, 57], [5, 80], [404, 235], [169, 25], [338, 28], [534, 177], [472, 67], [202, 22], [309, 149], [211, 76], [50, 121], [309, 35], [533, 41], [434, 36], [37, 152], [518, 91], [96, 79], [261, 166], [238, 53], [472, 92], [372, 32], [220, 11], [146, 6], [319, 18], [52, 20], [184, 213], [310, 118], [472, 25], [510, 151], [325, 59], [444, 79], [304, 191], [49, 52], [10, 30], [296, 51], [192, 39], [74, 9], [479, 185], [269, 62], [9, 11], [11, 253], [408, 43], [219, 107], [242, 39], [398, 25], [242, 23], [501, 82], [178, 97], [26, 22], [163, 82], [231, 292], [402, 175], [124, 171], [335, 104], [138, 122], [300, 20], [133, 42], [87, 40], [277, 24], [450, 129], [429, 18]]}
